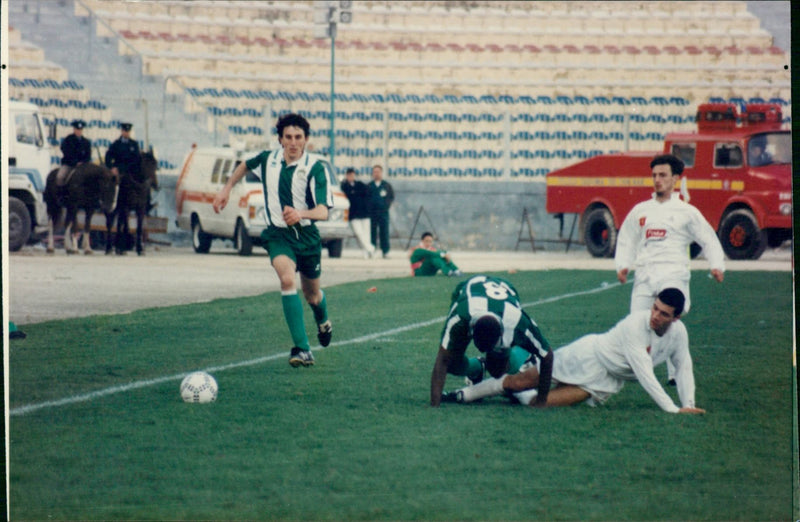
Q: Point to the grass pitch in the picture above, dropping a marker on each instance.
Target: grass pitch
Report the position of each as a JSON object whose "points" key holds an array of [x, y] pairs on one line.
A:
{"points": [[99, 432]]}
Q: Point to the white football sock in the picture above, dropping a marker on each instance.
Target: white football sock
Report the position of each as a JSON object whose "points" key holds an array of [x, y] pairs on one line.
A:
{"points": [[485, 388], [526, 397]]}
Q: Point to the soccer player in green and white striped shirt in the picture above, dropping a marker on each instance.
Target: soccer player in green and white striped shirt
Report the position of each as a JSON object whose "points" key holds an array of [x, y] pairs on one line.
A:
{"points": [[296, 194], [486, 311]]}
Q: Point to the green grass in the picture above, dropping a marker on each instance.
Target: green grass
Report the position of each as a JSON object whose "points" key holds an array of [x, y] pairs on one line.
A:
{"points": [[353, 437]]}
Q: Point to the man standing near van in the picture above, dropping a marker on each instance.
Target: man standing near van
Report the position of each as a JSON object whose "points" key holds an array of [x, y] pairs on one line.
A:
{"points": [[296, 194], [380, 199]]}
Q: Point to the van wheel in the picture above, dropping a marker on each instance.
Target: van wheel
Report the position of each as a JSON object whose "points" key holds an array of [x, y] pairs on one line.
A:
{"points": [[19, 224], [599, 234], [741, 236], [201, 242], [244, 245], [335, 247]]}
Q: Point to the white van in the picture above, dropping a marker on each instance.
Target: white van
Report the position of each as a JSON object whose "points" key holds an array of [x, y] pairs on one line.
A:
{"points": [[29, 164], [205, 171]]}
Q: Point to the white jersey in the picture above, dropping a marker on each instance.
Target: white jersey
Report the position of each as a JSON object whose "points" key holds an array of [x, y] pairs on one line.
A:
{"points": [[601, 363], [654, 239]]}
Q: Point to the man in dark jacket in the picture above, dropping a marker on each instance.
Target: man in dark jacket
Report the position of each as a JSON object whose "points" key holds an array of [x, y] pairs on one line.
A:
{"points": [[123, 155], [381, 197], [75, 149], [357, 193]]}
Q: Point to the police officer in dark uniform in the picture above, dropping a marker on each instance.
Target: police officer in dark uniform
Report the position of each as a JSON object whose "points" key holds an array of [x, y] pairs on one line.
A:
{"points": [[75, 149], [123, 157]]}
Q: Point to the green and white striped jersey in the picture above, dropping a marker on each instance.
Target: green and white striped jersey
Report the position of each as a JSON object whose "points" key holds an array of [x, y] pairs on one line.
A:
{"points": [[480, 295], [302, 185]]}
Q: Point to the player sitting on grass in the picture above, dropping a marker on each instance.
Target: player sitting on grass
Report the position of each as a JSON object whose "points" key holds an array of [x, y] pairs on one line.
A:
{"points": [[486, 310], [596, 366], [427, 260]]}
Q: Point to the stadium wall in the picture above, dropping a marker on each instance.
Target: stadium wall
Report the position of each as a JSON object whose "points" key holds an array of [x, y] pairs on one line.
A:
{"points": [[468, 215]]}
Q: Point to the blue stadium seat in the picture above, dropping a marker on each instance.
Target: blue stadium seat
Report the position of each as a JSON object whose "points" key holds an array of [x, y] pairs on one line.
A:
{"points": [[601, 100], [527, 100], [677, 100]]}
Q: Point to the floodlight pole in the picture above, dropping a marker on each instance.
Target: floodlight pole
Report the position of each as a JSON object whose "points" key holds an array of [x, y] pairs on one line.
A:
{"points": [[333, 95]]}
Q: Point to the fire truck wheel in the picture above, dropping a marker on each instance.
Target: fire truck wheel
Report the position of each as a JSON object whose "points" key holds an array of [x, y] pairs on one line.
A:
{"points": [[600, 235], [740, 235]]}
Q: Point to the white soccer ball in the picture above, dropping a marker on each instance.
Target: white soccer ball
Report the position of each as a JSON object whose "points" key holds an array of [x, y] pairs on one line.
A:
{"points": [[199, 387]]}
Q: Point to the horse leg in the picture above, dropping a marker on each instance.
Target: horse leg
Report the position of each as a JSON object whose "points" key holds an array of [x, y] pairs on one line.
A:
{"points": [[68, 246], [87, 232], [122, 231], [109, 224], [140, 231], [50, 226]]}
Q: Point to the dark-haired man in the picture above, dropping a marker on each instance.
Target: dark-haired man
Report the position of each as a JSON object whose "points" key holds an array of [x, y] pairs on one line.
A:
{"points": [[596, 366], [357, 193], [296, 195], [427, 260], [486, 311], [655, 237]]}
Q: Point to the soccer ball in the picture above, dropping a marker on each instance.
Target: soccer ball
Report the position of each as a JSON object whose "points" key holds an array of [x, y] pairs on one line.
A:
{"points": [[199, 387]]}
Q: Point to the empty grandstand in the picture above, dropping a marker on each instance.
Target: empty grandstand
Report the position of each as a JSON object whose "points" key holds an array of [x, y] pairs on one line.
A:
{"points": [[434, 90]]}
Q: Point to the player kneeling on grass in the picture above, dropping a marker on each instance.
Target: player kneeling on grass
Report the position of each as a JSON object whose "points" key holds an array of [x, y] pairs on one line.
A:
{"points": [[486, 310], [596, 366]]}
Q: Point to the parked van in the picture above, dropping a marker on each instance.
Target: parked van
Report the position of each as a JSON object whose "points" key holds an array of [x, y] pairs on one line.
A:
{"points": [[206, 170], [29, 164]]}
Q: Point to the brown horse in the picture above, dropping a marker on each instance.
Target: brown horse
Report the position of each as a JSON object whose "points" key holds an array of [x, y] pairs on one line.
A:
{"points": [[134, 191], [90, 187]]}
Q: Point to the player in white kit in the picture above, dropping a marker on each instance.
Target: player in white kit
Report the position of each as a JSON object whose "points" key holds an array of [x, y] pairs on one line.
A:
{"points": [[596, 366], [655, 237]]}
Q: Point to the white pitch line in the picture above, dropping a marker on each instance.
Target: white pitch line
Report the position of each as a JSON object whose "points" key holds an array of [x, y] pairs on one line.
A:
{"points": [[84, 397]]}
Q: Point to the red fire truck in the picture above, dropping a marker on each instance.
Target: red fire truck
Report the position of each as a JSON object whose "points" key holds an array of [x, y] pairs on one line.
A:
{"points": [[738, 174]]}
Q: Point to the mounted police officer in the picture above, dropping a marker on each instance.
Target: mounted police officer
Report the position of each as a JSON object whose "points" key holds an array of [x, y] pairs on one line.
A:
{"points": [[123, 156], [75, 149]]}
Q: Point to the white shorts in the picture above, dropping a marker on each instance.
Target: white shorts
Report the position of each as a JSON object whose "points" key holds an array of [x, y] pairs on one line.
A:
{"points": [[646, 288], [577, 364]]}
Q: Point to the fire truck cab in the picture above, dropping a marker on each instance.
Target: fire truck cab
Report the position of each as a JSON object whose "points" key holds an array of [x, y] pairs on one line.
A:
{"points": [[737, 173]]}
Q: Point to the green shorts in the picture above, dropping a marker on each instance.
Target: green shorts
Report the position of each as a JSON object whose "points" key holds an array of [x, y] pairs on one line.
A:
{"points": [[301, 245]]}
